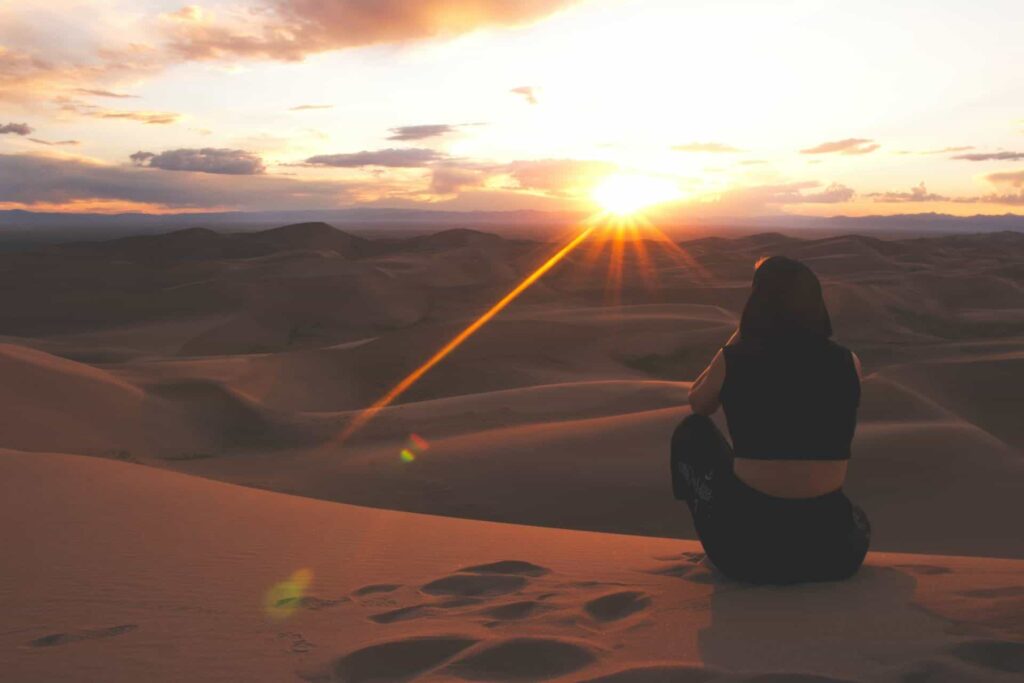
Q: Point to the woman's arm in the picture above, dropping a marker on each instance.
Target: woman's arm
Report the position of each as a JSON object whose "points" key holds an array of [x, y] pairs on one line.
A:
{"points": [[705, 389]]}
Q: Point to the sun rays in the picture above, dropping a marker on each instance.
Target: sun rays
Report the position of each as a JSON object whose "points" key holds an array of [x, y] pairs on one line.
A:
{"points": [[622, 235]]}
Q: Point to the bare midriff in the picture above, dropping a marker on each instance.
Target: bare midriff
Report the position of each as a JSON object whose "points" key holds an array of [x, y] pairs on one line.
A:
{"points": [[791, 478]]}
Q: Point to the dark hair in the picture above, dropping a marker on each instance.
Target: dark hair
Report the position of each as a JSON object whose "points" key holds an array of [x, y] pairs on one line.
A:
{"points": [[785, 304]]}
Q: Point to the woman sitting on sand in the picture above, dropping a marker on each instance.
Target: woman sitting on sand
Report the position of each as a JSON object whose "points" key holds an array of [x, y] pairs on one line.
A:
{"points": [[771, 508]]}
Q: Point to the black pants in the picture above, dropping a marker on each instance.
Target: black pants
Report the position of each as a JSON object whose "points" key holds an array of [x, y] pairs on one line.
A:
{"points": [[751, 536]]}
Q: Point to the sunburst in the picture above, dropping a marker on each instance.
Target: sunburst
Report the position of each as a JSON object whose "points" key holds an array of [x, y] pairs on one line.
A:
{"points": [[621, 225]]}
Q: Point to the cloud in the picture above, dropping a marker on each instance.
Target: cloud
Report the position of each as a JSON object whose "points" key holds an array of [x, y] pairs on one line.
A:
{"points": [[991, 156], [55, 143], [558, 177], [1012, 178], [30, 180], [708, 147], [413, 157], [291, 29], [421, 132], [307, 107], [449, 179], [16, 129], [994, 198], [103, 93], [847, 146], [759, 199], [948, 150], [205, 160], [527, 92], [919, 193], [85, 109], [38, 72]]}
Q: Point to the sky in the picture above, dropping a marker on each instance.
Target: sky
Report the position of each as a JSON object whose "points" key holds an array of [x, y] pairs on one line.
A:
{"points": [[821, 107]]}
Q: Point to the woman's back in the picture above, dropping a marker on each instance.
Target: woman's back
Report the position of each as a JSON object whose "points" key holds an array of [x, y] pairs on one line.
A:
{"points": [[792, 411]]}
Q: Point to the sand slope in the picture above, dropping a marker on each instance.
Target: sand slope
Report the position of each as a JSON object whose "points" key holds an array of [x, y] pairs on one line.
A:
{"points": [[241, 356], [158, 576]]}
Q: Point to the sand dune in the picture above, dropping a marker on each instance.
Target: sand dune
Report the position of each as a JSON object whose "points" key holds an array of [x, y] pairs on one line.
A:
{"points": [[242, 356], [128, 584]]}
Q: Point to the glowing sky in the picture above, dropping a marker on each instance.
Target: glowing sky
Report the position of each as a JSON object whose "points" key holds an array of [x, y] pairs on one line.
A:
{"points": [[748, 108]]}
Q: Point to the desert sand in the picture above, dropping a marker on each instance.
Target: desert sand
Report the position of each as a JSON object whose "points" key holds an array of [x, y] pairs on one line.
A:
{"points": [[128, 573], [146, 377]]}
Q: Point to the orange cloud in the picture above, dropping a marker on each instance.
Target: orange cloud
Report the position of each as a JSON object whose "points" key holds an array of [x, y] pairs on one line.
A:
{"points": [[292, 29], [84, 109], [847, 146]]}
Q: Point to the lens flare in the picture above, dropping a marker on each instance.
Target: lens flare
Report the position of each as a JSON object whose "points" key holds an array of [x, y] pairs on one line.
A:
{"points": [[617, 229], [406, 455], [403, 386], [625, 194], [282, 599]]}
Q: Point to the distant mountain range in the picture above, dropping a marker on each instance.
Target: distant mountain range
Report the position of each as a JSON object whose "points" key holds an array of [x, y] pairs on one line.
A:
{"points": [[26, 228]]}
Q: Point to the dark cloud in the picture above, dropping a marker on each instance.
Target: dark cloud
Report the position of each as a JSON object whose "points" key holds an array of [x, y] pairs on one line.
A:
{"points": [[55, 143], [292, 29], [205, 160], [413, 157], [91, 110], [991, 156], [104, 93], [527, 92], [919, 193], [307, 107], [847, 146], [711, 147], [29, 179], [421, 132], [16, 129]]}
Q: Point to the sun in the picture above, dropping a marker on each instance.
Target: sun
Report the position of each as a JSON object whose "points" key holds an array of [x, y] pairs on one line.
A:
{"points": [[624, 194]]}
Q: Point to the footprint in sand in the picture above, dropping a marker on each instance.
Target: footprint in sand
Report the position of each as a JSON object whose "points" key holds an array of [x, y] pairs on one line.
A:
{"points": [[297, 643], [396, 660], [497, 578], [658, 673], [309, 602], [996, 655], [615, 606], [55, 639], [473, 585], [525, 659], [512, 567], [376, 588], [402, 614]]}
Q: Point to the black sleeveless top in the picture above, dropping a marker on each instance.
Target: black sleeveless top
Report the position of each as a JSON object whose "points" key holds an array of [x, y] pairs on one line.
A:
{"points": [[792, 402]]}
